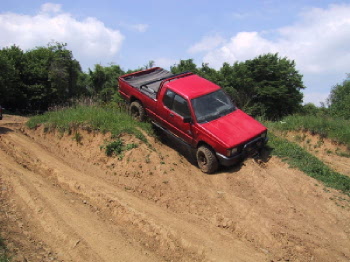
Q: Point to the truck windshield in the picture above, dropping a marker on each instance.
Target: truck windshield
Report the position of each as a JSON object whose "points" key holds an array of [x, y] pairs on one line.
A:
{"points": [[212, 106]]}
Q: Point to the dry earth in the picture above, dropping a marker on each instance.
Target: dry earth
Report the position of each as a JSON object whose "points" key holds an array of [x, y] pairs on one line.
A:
{"points": [[328, 151], [66, 201]]}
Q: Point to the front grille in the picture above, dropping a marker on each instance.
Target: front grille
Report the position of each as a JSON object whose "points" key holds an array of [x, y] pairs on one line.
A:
{"points": [[252, 147]]}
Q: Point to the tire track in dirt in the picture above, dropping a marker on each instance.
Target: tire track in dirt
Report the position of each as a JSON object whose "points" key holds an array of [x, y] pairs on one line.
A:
{"points": [[76, 233], [159, 204], [47, 184]]}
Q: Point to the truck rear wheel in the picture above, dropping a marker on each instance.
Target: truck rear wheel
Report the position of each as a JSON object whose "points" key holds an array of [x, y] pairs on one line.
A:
{"points": [[137, 111], [207, 160]]}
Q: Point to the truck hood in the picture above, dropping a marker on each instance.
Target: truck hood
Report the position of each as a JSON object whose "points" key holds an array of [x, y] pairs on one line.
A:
{"points": [[234, 129]]}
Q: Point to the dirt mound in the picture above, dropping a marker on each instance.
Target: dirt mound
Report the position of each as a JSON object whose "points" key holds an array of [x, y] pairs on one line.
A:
{"points": [[74, 203], [331, 153]]}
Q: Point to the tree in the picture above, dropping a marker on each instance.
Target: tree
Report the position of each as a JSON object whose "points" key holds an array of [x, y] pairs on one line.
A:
{"points": [[209, 73], [51, 76], [12, 87], [38, 78], [64, 72], [238, 83], [183, 66], [104, 81], [310, 109], [339, 100], [266, 85]]}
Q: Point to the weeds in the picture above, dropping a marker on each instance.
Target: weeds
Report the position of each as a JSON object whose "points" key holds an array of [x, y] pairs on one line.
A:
{"points": [[343, 154], [113, 148], [299, 158], [299, 138], [131, 146], [92, 118], [336, 129], [77, 137], [3, 252], [117, 147]]}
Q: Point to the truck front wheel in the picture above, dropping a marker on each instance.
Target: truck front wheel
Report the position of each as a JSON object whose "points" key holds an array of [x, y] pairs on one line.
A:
{"points": [[207, 160], [137, 111]]}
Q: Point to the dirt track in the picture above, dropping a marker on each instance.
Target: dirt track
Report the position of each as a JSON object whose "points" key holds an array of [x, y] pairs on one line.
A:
{"points": [[66, 201]]}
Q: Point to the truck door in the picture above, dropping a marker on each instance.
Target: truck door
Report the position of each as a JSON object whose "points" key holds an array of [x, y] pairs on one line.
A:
{"points": [[175, 109]]}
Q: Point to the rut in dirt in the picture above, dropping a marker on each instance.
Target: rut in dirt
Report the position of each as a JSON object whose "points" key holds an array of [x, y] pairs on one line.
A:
{"points": [[104, 223], [155, 205]]}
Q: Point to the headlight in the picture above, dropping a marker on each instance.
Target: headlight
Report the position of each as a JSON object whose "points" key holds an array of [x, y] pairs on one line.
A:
{"points": [[263, 135], [232, 151]]}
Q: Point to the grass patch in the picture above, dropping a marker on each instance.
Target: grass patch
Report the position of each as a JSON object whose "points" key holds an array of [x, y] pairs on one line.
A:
{"points": [[336, 129], [96, 118], [116, 147], [342, 154], [3, 252], [299, 158]]}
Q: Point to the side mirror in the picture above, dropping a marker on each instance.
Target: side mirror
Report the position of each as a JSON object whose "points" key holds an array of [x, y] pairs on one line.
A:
{"points": [[187, 119]]}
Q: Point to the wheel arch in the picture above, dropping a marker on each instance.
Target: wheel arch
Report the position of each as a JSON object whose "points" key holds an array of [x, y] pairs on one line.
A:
{"points": [[202, 143], [133, 99]]}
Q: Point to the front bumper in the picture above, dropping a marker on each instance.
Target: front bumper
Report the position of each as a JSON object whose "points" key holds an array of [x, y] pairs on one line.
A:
{"points": [[249, 149]]}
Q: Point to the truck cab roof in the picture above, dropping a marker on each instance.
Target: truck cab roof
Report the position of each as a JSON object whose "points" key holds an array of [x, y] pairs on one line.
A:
{"points": [[186, 84], [192, 86]]}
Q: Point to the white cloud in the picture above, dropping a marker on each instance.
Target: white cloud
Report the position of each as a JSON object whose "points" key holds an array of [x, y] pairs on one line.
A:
{"points": [[206, 44], [319, 42], [243, 46], [50, 8], [89, 39]]}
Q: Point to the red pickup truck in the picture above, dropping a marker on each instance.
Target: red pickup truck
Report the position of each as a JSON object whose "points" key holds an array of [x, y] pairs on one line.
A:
{"points": [[195, 111]]}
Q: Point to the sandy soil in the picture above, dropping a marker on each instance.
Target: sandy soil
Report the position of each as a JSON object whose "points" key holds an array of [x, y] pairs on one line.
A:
{"points": [[66, 201], [325, 149]]}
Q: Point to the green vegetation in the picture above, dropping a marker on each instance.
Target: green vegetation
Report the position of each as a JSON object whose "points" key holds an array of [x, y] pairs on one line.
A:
{"points": [[116, 147], [339, 100], [103, 81], [94, 118], [337, 129], [3, 252], [38, 78], [297, 157], [35, 80], [77, 137], [267, 85]]}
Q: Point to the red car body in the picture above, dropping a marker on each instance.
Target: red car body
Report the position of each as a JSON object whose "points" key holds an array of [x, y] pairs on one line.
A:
{"points": [[200, 113]]}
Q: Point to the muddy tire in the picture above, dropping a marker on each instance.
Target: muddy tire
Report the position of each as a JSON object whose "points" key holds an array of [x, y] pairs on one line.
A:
{"points": [[206, 160], [137, 111]]}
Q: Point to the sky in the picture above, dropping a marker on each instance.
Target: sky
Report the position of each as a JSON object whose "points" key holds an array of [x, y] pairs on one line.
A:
{"points": [[314, 33]]}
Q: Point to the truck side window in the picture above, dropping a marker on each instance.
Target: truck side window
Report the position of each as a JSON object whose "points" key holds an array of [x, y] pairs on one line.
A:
{"points": [[176, 103], [180, 106], [168, 99]]}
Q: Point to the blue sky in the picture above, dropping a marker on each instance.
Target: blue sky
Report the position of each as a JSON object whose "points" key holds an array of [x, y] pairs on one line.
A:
{"points": [[316, 34]]}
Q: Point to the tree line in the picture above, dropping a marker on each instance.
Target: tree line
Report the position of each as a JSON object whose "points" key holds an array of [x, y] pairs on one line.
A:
{"points": [[268, 85], [37, 79]]}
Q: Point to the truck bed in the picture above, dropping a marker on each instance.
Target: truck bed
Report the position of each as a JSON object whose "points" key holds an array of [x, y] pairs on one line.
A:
{"points": [[148, 81]]}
